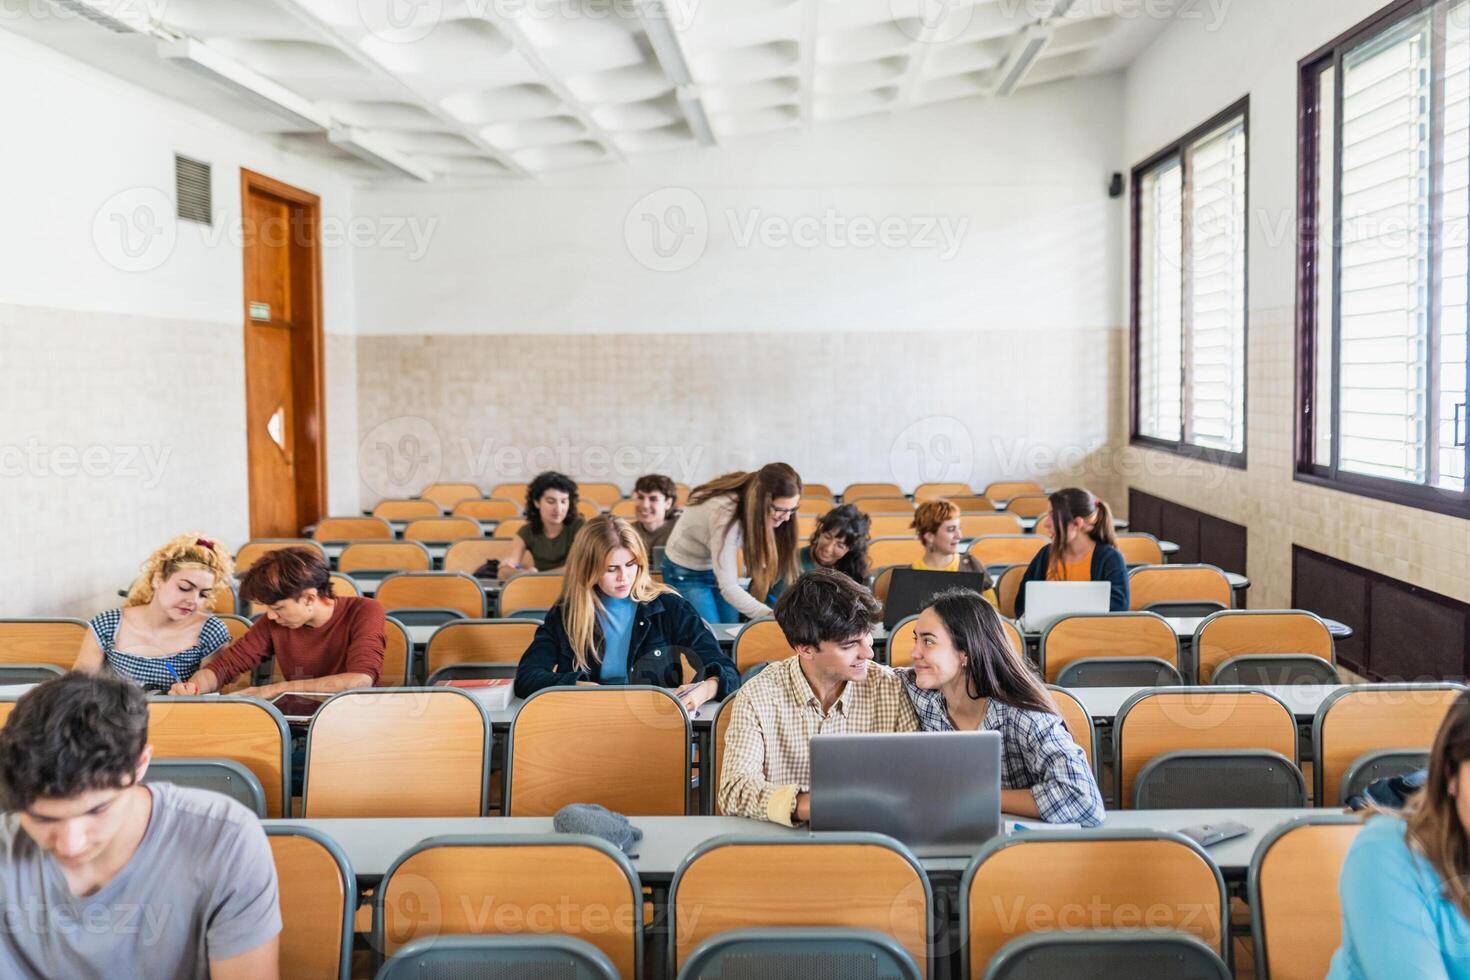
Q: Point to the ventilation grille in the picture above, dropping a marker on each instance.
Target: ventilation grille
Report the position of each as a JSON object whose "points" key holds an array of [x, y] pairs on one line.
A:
{"points": [[192, 190]]}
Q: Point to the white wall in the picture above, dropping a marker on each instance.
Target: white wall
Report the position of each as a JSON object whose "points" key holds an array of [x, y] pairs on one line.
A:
{"points": [[1019, 182], [853, 360], [1190, 73], [129, 356]]}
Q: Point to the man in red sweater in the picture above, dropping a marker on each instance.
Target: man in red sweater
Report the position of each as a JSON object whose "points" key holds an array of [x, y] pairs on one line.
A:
{"points": [[323, 643]]}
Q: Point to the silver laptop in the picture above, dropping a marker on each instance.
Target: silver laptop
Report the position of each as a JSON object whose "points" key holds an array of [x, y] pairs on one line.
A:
{"points": [[1047, 602], [936, 792]]}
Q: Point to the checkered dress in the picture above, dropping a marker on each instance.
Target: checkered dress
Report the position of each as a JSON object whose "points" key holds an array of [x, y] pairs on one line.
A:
{"points": [[1038, 754], [150, 672]]}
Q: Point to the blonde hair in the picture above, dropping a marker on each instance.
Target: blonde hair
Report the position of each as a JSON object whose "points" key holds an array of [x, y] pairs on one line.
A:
{"points": [[771, 556], [932, 514], [586, 563], [181, 552]]}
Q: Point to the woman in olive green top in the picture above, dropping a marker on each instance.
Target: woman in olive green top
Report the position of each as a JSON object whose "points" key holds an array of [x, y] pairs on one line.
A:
{"points": [[552, 521]]}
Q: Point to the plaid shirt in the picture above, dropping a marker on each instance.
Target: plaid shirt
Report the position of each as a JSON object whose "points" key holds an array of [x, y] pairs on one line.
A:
{"points": [[1038, 754], [766, 757]]}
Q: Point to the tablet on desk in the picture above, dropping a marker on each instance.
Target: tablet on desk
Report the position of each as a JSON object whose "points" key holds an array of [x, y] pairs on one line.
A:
{"points": [[299, 706]]}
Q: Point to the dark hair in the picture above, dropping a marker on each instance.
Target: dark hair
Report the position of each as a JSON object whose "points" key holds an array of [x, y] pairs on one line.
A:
{"points": [[852, 525], [826, 605], [550, 480], [285, 574], [1068, 505], [1434, 827], [72, 735], [993, 668], [658, 483]]}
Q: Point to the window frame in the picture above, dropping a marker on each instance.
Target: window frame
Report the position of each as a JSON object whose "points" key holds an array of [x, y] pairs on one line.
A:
{"points": [[1209, 454], [1421, 496]]}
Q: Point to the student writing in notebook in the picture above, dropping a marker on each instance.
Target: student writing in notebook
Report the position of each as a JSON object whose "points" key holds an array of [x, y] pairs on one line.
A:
{"points": [[165, 628], [322, 642]]}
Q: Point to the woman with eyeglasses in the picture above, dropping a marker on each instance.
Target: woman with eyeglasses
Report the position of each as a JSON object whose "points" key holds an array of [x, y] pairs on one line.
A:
{"points": [[738, 512], [840, 541]]}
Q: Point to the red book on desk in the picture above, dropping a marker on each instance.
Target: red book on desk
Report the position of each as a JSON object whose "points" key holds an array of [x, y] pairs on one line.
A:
{"points": [[492, 692]]}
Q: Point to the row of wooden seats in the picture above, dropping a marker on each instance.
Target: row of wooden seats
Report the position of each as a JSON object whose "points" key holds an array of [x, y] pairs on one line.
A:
{"points": [[432, 744], [446, 496], [1018, 886]]}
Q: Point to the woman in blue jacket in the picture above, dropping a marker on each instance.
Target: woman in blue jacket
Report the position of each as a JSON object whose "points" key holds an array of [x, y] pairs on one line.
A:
{"points": [[615, 625], [1083, 549]]}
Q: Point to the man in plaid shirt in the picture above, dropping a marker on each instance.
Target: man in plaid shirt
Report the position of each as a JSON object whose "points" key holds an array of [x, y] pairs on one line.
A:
{"points": [[831, 686]]}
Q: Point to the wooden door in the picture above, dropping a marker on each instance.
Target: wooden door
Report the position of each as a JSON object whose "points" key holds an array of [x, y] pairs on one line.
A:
{"points": [[283, 362]]}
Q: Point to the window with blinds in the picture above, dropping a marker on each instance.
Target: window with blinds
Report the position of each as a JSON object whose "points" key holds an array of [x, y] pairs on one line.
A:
{"points": [[1387, 124], [1190, 293]]}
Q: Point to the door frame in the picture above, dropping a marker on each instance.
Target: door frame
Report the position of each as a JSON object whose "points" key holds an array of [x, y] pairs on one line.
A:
{"points": [[309, 430]]}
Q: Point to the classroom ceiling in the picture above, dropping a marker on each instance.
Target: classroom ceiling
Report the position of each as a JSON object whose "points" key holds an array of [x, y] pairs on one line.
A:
{"points": [[447, 90]]}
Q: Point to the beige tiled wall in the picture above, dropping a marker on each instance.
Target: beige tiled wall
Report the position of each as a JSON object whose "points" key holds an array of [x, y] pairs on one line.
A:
{"points": [[117, 432], [1412, 545], [160, 407], [839, 407]]}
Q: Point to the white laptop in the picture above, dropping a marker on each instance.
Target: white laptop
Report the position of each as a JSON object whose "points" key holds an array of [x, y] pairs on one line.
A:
{"points": [[1047, 602]]}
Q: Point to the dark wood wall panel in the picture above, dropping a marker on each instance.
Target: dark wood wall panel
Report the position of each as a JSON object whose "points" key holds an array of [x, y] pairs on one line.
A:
{"points": [[1401, 632], [1333, 590], [1201, 537]]}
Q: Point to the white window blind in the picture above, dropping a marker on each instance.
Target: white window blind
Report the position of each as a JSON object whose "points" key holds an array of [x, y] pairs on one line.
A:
{"points": [[1160, 303], [1398, 403], [1215, 310], [1191, 292]]}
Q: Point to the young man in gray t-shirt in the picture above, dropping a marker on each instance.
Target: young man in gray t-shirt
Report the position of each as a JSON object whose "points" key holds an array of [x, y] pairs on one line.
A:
{"points": [[101, 876]]}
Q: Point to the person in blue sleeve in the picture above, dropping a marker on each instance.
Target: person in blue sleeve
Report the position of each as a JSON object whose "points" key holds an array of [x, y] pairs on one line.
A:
{"points": [[615, 625], [1405, 884]]}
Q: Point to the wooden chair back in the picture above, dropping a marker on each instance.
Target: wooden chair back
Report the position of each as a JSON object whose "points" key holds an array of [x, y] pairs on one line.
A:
{"points": [[385, 556], [251, 732], [637, 763], [1242, 633], [574, 885], [1357, 720], [352, 529], [1148, 584], [446, 495], [1029, 883], [1160, 720], [443, 529], [433, 590], [530, 590], [1089, 636], [318, 898], [846, 880], [416, 752], [760, 641]]}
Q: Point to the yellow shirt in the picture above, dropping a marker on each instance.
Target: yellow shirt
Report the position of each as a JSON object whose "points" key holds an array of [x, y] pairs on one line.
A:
{"points": [[1071, 571]]}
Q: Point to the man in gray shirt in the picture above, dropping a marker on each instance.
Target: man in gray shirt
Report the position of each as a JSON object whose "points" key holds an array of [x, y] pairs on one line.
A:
{"points": [[102, 876]]}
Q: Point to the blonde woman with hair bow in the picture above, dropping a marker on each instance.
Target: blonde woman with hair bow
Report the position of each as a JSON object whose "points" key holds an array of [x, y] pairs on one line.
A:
{"points": [[165, 628]]}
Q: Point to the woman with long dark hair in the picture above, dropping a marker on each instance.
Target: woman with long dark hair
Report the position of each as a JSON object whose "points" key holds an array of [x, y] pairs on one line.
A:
{"points": [[1083, 548], [840, 541], [738, 512], [1405, 885], [966, 677]]}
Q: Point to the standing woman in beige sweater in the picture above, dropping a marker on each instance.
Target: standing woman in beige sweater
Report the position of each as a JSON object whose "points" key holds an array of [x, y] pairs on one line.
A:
{"points": [[750, 511]]}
